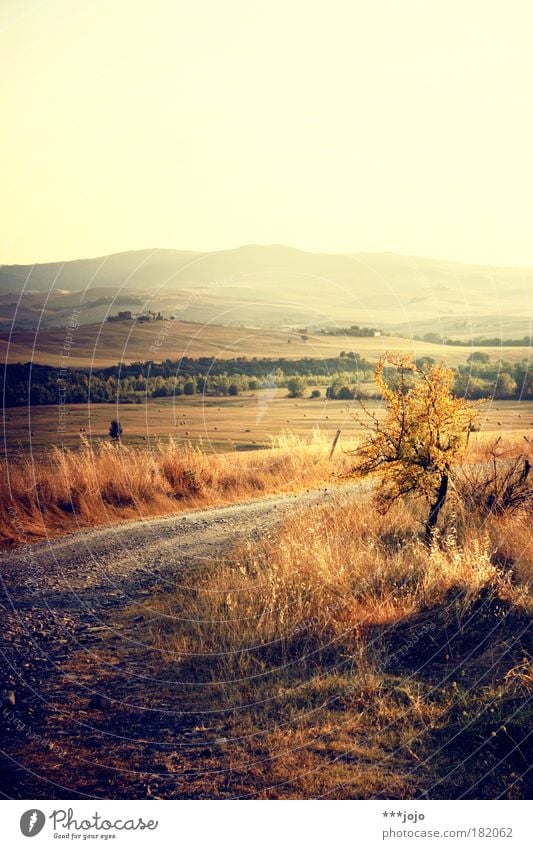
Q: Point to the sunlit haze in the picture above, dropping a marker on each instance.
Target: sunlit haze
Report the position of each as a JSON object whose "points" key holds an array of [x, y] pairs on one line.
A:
{"points": [[348, 125]]}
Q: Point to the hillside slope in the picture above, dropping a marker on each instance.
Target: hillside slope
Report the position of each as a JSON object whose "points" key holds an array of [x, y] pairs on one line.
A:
{"points": [[272, 286], [98, 345]]}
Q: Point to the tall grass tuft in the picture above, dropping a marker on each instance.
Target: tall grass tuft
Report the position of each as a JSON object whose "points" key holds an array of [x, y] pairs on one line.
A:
{"points": [[64, 489]]}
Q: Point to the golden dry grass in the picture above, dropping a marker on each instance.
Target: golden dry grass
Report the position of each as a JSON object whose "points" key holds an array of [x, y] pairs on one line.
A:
{"points": [[348, 660], [334, 573], [338, 657], [58, 490]]}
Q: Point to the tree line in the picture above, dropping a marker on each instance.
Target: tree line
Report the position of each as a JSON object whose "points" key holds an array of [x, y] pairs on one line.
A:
{"points": [[346, 378], [477, 341], [132, 383]]}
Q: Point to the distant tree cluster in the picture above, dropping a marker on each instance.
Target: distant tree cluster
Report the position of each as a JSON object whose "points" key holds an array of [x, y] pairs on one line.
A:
{"points": [[339, 391], [133, 383], [127, 315], [478, 341], [354, 330], [483, 378], [296, 386]]}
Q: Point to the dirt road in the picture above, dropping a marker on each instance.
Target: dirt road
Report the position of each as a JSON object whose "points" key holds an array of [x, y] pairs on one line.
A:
{"points": [[62, 599]]}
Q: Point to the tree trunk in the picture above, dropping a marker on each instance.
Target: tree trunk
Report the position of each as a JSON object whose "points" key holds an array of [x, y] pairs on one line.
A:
{"points": [[435, 508]]}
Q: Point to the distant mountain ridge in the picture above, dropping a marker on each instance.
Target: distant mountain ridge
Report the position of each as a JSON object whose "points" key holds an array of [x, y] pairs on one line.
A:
{"points": [[136, 269], [272, 285]]}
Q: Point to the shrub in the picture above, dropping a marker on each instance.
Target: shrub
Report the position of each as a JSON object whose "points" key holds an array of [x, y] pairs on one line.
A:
{"points": [[505, 386], [345, 393], [115, 429], [296, 387], [424, 430]]}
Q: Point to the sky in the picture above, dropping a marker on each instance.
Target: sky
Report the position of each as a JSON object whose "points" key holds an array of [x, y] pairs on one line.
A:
{"points": [[338, 126]]}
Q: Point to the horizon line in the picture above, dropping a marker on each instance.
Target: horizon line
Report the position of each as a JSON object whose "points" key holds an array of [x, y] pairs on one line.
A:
{"points": [[261, 245]]}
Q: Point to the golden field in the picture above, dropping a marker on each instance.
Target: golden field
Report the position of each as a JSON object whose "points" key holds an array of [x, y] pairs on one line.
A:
{"points": [[173, 455], [338, 658], [98, 345]]}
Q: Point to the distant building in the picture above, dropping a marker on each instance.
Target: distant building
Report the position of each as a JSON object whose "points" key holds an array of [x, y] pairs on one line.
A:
{"points": [[124, 315]]}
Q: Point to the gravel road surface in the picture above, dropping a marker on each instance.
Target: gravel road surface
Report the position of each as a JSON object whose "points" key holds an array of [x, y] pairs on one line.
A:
{"points": [[65, 594]]}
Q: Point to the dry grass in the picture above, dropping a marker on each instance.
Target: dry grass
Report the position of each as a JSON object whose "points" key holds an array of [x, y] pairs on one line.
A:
{"points": [[218, 425], [338, 658], [507, 445], [347, 660], [63, 490], [333, 576]]}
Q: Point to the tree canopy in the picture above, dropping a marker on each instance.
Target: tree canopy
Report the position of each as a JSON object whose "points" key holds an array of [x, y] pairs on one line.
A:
{"points": [[422, 433]]}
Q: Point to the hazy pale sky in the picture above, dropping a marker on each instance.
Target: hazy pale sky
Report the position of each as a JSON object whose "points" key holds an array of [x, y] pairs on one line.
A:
{"points": [[337, 125]]}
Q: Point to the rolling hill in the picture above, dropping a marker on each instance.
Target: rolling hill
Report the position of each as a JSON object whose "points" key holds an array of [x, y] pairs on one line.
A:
{"points": [[274, 287], [98, 345]]}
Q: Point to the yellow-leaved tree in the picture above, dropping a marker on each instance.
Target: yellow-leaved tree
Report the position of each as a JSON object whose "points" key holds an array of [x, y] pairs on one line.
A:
{"points": [[423, 432]]}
